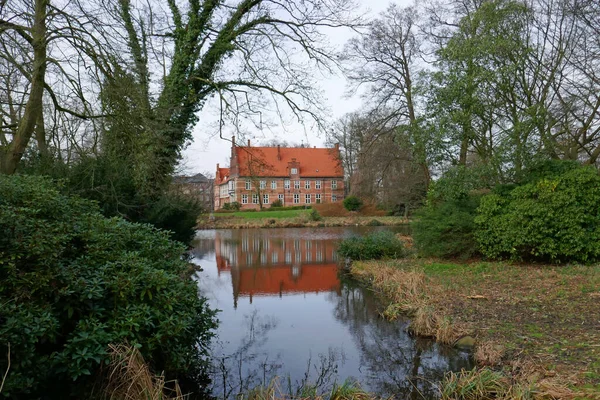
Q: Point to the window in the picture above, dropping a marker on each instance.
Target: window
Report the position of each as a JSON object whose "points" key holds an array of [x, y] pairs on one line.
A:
{"points": [[307, 198], [247, 184], [265, 199], [306, 184], [273, 184], [244, 199], [333, 198], [296, 184], [263, 184], [318, 185], [281, 198], [296, 198], [334, 184], [254, 198], [286, 184], [294, 171], [318, 198]]}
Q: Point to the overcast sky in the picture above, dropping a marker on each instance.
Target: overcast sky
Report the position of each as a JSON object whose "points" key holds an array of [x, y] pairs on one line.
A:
{"points": [[207, 150]]}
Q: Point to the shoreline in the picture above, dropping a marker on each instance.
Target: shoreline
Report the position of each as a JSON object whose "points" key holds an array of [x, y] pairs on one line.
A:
{"points": [[533, 328], [299, 222]]}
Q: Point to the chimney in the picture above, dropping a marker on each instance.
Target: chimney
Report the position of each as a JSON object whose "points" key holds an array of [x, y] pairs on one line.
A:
{"points": [[337, 146], [248, 142], [232, 141], [279, 152]]}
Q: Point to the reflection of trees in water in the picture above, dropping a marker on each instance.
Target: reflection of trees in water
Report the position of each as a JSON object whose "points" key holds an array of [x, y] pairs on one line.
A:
{"points": [[252, 365], [203, 248], [393, 362]]}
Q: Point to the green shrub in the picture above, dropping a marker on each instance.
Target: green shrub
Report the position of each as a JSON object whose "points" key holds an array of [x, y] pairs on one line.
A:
{"points": [[110, 181], [276, 204], [352, 203], [235, 205], [314, 215], [227, 207], [445, 226], [554, 219], [374, 222], [377, 245], [175, 213], [72, 282], [446, 229]]}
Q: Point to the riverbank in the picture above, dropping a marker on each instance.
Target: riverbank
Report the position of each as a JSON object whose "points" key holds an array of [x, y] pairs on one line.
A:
{"points": [[230, 221], [538, 324]]}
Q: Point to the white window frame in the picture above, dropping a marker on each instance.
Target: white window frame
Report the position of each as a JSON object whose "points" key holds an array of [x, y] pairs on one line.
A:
{"points": [[254, 198], [273, 184], [294, 171], [281, 198], [248, 184], [318, 185], [265, 199], [296, 198], [306, 184], [296, 184], [333, 198], [263, 184], [318, 198], [307, 198], [244, 199], [286, 184], [334, 184]]}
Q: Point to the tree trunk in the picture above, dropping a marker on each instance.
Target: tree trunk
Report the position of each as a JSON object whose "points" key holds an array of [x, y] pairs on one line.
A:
{"points": [[33, 108]]}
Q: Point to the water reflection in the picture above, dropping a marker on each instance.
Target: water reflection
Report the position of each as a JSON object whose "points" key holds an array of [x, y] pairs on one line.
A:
{"points": [[263, 265], [286, 313]]}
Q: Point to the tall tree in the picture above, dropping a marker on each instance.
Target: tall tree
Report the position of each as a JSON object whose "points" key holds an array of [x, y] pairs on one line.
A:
{"points": [[387, 60]]}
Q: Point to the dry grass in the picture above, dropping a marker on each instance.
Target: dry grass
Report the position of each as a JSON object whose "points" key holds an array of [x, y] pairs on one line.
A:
{"points": [[409, 292], [349, 390], [488, 354], [130, 378], [298, 222], [486, 384], [536, 323], [338, 210]]}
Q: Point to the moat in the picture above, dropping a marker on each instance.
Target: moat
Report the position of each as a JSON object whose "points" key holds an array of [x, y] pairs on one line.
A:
{"points": [[287, 311]]}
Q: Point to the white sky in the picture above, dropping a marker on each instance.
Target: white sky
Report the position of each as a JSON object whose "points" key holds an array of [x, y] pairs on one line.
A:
{"points": [[208, 149]]}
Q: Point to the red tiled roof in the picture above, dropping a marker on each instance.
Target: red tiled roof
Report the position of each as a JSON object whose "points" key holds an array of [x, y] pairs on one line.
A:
{"points": [[314, 162], [222, 175], [279, 279]]}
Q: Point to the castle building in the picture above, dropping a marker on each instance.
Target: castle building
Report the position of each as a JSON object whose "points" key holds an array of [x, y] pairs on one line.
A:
{"points": [[293, 176]]}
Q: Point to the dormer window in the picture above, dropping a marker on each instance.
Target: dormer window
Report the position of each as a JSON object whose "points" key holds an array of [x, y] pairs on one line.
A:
{"points": [[294, 171]]}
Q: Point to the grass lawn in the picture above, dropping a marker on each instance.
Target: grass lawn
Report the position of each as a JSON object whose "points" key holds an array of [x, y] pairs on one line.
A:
{"points": [[263, 214], [543, 319]]}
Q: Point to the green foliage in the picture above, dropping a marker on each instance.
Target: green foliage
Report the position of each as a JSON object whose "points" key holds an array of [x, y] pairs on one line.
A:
{"points": [[110, 182], [446, 229], [276, 204], [235, 205], [554, 219], [314, 215], [376, 245], [227, 206], [175, 213], [445, 226], [374, 222], [352, 203], [73, 281]]}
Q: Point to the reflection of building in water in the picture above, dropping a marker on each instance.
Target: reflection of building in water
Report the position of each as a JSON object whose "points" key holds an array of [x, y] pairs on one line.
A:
{"points": [[262, 265]]}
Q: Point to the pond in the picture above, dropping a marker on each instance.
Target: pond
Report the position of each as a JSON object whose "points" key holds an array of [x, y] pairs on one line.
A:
{"points": [[289, 315]]}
